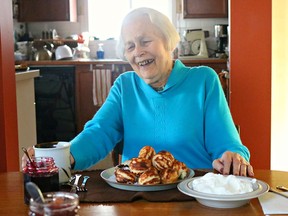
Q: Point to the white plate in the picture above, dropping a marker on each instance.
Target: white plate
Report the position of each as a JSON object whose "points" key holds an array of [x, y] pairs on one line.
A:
{"points": [[109, 177], [223, 201]]}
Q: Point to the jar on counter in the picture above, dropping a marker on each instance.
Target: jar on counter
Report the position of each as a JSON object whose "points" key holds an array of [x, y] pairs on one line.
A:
{"points": [[43, 172]]}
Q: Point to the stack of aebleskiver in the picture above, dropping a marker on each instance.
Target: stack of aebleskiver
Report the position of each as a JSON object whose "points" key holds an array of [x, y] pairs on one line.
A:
{"points": [[151, 168]]}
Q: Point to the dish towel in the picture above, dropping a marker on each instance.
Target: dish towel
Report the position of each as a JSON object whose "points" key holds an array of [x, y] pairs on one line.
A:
{"points": [[273, 203], [101, 85]]}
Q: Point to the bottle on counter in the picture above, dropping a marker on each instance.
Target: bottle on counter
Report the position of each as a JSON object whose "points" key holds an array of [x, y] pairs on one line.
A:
{"points": [[100, 51], [43, 172]]}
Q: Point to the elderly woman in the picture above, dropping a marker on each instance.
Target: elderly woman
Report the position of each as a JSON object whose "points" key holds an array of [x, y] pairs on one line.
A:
{"points": [[162, 104]]}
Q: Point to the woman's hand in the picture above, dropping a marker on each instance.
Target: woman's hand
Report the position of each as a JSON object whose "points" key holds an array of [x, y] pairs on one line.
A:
{"points": [[31, 153], [233, 163]]}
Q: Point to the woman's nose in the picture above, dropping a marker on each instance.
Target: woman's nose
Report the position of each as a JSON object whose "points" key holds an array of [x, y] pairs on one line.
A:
{"points": [[138, 51]]}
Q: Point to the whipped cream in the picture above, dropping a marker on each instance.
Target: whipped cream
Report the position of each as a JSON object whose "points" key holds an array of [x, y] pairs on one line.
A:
{"points": [[224, 185]]}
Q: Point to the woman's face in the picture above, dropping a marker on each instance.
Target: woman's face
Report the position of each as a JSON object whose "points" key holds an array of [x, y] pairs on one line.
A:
{"points": [[146, 51]]}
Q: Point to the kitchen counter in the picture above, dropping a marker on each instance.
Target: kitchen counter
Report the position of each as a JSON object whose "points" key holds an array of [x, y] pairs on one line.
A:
{"points": [[26, 116], [26, 75], [114, 61]]}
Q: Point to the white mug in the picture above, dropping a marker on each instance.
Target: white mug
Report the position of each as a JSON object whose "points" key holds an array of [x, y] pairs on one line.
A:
{"points": [[61, 154]]}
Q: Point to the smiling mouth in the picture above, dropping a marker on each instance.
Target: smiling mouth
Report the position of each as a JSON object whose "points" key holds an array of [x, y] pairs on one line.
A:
{"points": [[145, 62]]}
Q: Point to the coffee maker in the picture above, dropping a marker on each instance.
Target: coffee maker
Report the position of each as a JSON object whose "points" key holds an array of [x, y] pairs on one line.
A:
{"points": [[221, 36]]}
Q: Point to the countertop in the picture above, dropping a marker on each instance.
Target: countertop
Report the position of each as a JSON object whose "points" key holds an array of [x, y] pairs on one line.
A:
{"points": [[29, 74], [112, 61]]}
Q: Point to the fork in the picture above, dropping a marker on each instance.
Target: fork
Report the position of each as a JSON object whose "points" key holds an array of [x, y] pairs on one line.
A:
{"points": [[75, 187], [82, 187]]}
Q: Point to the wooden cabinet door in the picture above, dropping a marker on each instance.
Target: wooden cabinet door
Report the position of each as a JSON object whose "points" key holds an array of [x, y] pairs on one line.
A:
{"points": [[85, 108], [205, 8], [47, 10], [223, 76]]}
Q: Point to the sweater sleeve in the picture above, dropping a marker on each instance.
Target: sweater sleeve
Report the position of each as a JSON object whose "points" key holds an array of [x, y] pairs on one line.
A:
{"points": [[220, 131], [100, 134]]}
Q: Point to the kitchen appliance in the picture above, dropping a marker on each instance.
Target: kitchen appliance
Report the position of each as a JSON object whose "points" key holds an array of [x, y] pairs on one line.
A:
{"points": [[55, 103], [221, 36], [195, 44]]}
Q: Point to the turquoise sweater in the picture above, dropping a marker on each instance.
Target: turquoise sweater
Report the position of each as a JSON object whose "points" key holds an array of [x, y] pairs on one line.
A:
{"points": [[190, 118]]}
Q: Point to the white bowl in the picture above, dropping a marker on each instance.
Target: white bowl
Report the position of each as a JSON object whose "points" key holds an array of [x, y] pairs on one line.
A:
{"points": [[63, 52], [223, 201]]}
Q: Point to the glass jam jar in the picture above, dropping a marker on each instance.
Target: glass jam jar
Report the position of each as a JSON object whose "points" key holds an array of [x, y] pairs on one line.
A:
{"points": [[43, 172], [56, 204]]}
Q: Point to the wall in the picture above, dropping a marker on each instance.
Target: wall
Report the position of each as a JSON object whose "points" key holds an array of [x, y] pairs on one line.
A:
{"points": [[8, 111], [250, 63], [279, 147]]}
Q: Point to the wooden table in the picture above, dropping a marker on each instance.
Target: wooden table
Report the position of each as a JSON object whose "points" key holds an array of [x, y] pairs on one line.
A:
{"points": [[12, 202]]}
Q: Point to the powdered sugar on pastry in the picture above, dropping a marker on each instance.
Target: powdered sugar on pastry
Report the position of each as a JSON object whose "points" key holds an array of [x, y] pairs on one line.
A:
{"points": [[222, 185]]}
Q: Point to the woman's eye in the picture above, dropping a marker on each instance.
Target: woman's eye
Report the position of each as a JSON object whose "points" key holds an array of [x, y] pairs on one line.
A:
{"points": [[130, 47], [146, 42]]}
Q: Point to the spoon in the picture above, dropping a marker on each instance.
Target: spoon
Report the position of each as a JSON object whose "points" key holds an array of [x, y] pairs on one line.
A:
{"points": [[283, 188], [28, 156], [35, 192]]}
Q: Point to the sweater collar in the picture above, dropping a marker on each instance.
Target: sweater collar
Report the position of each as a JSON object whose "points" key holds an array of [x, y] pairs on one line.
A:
{"points": [[175, 77]]}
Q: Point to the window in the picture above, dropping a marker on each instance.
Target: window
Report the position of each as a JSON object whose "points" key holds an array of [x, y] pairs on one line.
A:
{"points": [[105, 16]]}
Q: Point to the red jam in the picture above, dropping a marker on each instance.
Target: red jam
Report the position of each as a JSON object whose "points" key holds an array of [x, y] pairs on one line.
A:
{"points": [[58, 203], [44, 173]]}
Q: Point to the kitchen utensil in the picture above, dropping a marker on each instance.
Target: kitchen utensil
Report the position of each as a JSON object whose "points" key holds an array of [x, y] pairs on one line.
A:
{"points": [[283, 188], [74, 188], [223, 201], [27, 154], [279, 193], [63, 52], [82, 187], [35, 192], [43, 54], [109, 176], [56, 203]]}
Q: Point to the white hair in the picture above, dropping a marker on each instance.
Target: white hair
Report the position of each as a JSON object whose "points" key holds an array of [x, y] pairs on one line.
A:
{"points": [[159, 20]]}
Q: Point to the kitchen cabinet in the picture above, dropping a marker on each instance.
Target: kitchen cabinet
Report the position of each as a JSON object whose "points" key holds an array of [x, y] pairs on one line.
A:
{"points": [[47, 10], [205, 8], [220, 68], [26, 112], [85, 106]]}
